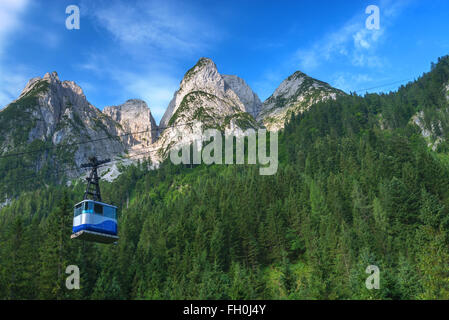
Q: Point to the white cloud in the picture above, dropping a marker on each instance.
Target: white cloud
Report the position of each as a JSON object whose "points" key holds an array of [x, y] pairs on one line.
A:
{"points": [[360, 59], [352, 41], [309, 59], [10, 11], [162, 26], [360, 41], [11, 81], [365, 39]]}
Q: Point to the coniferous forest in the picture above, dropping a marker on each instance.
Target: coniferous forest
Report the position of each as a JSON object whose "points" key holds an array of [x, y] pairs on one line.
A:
{"points": [[357, 185]]}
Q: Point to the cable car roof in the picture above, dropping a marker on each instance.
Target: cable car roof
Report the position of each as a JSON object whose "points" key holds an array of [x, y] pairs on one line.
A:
{"points": [[102, 203]]}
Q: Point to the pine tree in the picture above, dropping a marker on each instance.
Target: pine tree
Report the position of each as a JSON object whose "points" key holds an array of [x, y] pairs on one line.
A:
{"points": [[57, 251]]}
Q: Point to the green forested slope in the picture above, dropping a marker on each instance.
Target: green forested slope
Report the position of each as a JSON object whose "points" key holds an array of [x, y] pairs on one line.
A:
{"points": [[357, 185]]}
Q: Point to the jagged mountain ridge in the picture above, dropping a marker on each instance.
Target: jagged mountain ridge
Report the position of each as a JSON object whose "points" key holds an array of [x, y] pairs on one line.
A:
{"points": [[58, 112], [295, 94], [207, 99], [233, 92]]}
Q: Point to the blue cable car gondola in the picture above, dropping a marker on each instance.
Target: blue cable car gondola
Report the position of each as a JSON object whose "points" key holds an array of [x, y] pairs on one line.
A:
{"points": [[94, 220]]}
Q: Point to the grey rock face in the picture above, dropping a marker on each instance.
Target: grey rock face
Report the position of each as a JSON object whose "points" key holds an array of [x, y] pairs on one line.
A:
{"points": [[202, 77], [134, 116], [446, 90], [433, 132], [5, 203], [60, 113], [205, 77], [247, 96], [295, 94], [206, 99]]}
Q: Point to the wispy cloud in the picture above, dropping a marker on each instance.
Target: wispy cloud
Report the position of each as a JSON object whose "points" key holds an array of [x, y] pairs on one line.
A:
{"points": [[353, 41], [163, 26], [10, 80], [348, 57], [10, 11]]}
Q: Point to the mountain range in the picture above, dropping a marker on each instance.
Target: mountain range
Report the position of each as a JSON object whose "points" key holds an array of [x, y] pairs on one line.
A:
{"points": [[57, 113]]}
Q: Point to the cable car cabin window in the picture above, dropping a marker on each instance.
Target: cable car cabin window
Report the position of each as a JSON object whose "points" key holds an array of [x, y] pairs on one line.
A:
{"points": [[98, 208], [86, 206], [110, 212], [78, 210]]}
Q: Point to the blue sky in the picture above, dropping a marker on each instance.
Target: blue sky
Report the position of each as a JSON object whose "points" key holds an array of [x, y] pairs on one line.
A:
{"points": [[141, 49]]}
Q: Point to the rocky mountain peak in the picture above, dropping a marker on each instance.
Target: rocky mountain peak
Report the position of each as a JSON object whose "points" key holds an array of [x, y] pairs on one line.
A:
{"points": [[207, 99], [50, 81], [294, 95], [204, 78], [298, 81], [134, 116], [33, 85], [51, 76], [30, 85], [72, 86], [205, 68], [297, 74], [56, 112], [134, 103]]}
